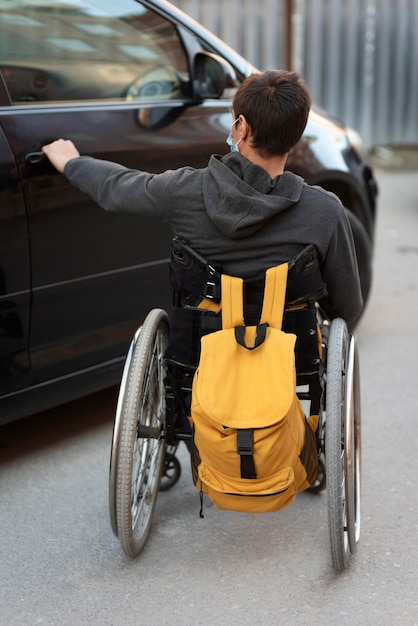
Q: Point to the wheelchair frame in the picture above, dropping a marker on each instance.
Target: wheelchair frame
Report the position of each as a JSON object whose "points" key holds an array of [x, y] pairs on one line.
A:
{"points": [[147, 431]]}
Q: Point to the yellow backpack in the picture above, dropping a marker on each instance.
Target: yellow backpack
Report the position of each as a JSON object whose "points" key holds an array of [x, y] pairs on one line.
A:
{"points": [[252, 448]]}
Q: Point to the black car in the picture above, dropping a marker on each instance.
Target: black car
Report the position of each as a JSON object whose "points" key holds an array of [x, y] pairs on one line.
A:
{"points": [[141, 84]]}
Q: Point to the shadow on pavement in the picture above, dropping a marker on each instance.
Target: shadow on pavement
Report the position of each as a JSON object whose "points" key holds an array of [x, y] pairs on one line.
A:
{"points": [[44, 429]]}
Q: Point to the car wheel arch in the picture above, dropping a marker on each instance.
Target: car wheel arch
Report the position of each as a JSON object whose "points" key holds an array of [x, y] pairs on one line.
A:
{"points": [[352, 198]]}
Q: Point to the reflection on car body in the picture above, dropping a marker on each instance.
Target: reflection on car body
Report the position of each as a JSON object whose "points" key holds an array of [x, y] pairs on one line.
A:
{"points": [[145, 86]]}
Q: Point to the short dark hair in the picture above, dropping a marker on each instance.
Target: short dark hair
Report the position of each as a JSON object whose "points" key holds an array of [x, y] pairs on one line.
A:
{"points": [[276, 105]]}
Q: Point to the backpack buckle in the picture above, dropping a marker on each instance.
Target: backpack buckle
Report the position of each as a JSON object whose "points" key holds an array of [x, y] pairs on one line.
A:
{"points": [[245, 441], [245, 451]]}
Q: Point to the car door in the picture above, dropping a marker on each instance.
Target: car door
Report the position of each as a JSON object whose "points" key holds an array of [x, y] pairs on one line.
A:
{"points": [[14, 274], [115, 80]]}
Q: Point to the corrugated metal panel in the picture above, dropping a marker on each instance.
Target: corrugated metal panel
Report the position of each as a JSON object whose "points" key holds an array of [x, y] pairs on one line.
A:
{"points": [[396, 103], [339, 58], [254, 28], [359, 57]]}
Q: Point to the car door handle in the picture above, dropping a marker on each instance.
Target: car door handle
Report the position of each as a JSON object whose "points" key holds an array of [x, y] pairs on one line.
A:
{"points": [[35, 157]]}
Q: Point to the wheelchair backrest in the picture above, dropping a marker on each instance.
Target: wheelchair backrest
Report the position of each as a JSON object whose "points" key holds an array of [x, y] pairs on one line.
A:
{"points": [[194, 279]]}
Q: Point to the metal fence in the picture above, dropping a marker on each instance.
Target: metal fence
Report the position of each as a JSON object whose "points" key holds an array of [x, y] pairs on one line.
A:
{"points": [[359, 57]]}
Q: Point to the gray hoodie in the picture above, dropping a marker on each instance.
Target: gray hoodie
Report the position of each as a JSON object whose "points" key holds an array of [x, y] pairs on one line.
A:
{"points": [[235, 215]]}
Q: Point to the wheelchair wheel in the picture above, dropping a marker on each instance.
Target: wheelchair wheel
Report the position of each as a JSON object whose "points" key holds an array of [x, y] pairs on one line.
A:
{"points": [[138, 446], [320, 481], [342, 443], [171, 469]]}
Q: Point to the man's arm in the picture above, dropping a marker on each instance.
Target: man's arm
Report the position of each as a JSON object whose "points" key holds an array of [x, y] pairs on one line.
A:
{"points": [[113, 186], [340, 273]]}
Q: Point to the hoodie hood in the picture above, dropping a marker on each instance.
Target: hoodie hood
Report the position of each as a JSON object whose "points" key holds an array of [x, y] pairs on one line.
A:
{"points": [[240, 197]]}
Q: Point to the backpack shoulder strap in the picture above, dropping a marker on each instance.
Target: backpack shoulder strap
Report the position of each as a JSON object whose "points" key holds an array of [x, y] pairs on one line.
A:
{"points": [[274, 296], [232, 301], [273, 299]]}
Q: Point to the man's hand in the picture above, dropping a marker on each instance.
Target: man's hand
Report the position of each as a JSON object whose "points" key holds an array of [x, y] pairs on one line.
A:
{"points": [[60, 152]]}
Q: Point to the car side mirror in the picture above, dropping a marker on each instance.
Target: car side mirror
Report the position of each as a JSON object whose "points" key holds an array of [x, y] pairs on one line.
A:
{"points": [[212, 75]]}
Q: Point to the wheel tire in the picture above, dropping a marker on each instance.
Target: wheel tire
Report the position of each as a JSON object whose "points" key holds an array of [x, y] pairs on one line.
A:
{"points": [[138, 445], [352, 438], [334, 446]]}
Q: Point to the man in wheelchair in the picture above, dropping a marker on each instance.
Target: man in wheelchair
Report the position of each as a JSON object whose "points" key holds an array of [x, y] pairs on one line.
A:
{"points": [[243, 212], [239, 216]]}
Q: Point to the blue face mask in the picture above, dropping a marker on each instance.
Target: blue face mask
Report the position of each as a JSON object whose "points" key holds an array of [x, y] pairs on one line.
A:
{"points": [[230, 141]]}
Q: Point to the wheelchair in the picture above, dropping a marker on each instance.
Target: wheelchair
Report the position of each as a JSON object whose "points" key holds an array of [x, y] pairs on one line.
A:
{"points": [[157, 380]]}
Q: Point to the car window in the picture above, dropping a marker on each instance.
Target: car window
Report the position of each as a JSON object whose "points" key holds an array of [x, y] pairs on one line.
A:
{"points": [[89, 50]]}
